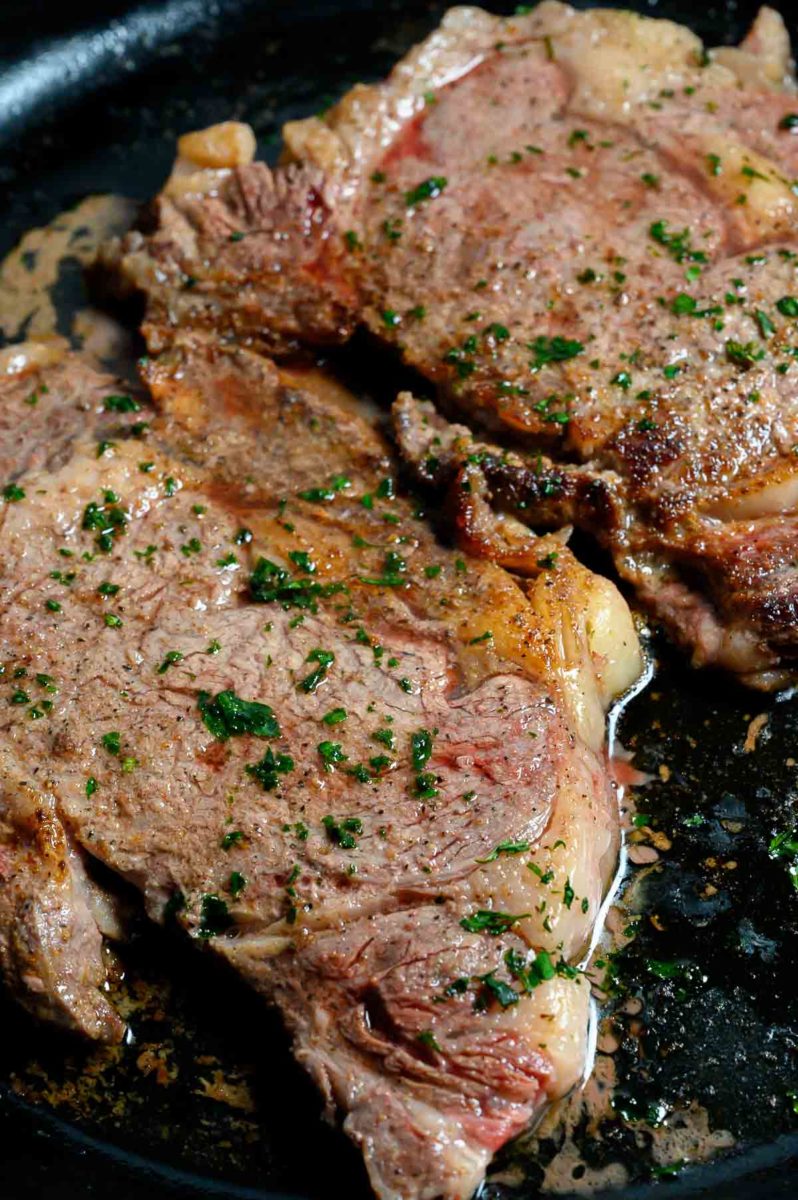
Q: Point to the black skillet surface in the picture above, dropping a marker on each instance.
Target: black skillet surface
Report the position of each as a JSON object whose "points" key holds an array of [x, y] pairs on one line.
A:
{"points": [[91, 99]]}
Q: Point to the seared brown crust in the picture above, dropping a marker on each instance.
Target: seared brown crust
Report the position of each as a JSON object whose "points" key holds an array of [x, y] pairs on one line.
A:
{"points": [[51, 953], [259, 259], [728, 592]]}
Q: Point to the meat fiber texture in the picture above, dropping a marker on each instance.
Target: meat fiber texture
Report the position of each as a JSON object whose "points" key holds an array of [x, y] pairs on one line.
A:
{"points": [[365, 771], [580, 228]]}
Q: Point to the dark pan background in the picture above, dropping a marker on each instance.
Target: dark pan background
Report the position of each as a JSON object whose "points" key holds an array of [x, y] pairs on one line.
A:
{"points": [[92, 97]]}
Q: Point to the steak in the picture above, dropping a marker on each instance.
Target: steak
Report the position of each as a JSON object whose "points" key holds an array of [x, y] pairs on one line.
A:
{"points": [[367, 773], [52, 914], [580, 228]]}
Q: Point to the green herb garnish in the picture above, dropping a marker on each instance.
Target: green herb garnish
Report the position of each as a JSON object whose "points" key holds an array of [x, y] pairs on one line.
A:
{"points": [[214, 917], [428, 190], [227, 715], [490, 921], [344, 831], [269, 769]]}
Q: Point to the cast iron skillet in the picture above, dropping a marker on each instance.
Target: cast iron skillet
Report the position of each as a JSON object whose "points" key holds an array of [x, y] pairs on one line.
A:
{"points": [[91, 99]]}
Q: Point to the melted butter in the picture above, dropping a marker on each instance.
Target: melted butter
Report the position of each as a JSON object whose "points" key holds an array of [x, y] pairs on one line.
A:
{"points": [[668, 1138], [31, 273], [676, 1137]]}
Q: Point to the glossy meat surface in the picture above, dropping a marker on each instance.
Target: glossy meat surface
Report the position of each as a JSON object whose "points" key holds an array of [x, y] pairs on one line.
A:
{"points": [[580, 228], [368, 772]]}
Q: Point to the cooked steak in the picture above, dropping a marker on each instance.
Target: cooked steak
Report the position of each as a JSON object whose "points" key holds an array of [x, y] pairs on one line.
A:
{"points": [[49, 399], [580, 227], [51, 912], [368, 773]]}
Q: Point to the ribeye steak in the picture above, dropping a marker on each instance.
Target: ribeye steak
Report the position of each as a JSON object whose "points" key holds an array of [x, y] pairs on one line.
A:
{"points": [[369, 773], [580, 226]]}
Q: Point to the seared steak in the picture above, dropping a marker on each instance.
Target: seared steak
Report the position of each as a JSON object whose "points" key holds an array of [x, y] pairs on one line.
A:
{"points": [[50, 399], [369, 773], [580, 228], [51, 913]]}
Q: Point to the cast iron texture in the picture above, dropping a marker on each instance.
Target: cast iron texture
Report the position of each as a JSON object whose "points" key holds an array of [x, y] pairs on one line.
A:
{"points": [[92, 97]]}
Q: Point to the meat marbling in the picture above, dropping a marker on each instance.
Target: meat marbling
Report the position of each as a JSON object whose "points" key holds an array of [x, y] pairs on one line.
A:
{"points": [[369, 774], [580, 226]]}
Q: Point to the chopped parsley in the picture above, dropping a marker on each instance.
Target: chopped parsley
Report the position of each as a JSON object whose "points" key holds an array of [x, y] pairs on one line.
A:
{"points": [[112, 741], [227, 715], [269, 583], [505, 848], [214, 917], [236, 884], [170, 658], [743, 354], [428, 190], [458, 987], [318, 495], [666, 970], [555, 349], [302, 561], [343, 832], [331, 753], [496, 989], [121, 404], [530, 974], [764, 324], [233, 838], [108, 520], [677, 244], [490, 921], [269, 769], [325, 659], [421, 748], [425, 785]]}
